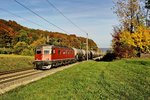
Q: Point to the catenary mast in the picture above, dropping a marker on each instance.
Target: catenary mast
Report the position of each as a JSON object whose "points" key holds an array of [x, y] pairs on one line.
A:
{"points": [[147, 6]]}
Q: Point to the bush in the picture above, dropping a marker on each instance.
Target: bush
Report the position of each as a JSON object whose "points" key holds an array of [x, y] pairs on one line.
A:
{"points": [[28, 52], [19, 47], [109, 56], [6, 50]]}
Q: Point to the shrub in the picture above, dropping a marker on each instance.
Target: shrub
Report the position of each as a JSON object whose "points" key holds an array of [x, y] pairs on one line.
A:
{"points": [[109, 56], [28, 52], [19, 47], [6, 50]]}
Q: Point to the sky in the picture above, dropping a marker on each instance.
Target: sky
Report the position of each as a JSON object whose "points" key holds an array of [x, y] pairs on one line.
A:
{"points": [[95, 17]]}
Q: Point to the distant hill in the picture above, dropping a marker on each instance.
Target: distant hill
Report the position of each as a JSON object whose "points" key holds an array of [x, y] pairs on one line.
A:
{"points": [[12, 33], [104, 49]]}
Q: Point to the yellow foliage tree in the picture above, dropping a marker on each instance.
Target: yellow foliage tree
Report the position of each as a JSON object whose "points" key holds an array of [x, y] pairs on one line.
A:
{"points": [[126, 38], [132, 37], [141, 39], [128, 45]]}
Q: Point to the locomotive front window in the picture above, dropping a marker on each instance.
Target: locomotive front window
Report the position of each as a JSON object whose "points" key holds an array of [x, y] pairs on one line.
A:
{"points": [[46, 51]]}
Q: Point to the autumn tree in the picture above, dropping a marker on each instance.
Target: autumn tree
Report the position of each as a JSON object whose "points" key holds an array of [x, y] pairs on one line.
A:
{"points": [[6, 37], [13, 35], [129, 13], [40, 41], [141, 39], [120, 43], [129, 38]]}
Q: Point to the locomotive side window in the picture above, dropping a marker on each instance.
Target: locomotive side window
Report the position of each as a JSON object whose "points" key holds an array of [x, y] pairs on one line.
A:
{"points": [[54, 51], [59, 52], [64, 52], [38, 52]]}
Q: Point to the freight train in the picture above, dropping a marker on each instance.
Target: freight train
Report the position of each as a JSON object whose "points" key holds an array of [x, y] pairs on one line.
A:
{"points": [[47, 56]]}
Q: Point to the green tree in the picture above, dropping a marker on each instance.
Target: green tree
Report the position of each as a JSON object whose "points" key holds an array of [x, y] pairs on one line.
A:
{"points": [[22, 36], [28, 51], [19, 47]]}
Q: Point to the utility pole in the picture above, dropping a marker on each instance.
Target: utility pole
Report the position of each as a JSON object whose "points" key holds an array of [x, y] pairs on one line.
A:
{"points": [[147, 18], [147, 6], [87, 46], [47, 39]]}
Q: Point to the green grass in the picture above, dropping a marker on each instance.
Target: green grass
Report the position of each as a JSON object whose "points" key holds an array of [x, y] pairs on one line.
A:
{"points": [[127, 79], [14, 62]]}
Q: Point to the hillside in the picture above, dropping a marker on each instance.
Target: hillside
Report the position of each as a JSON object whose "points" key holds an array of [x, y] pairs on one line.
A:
{"points": [[104, 49], [13, 35]]}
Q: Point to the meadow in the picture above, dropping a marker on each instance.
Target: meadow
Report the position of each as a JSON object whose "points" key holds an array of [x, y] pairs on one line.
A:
{"points": [[126, 79], [15, 62]]}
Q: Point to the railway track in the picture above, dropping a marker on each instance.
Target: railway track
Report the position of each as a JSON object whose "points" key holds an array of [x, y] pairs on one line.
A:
{"points": [[17, 75], [10, 81], [13, 71]]}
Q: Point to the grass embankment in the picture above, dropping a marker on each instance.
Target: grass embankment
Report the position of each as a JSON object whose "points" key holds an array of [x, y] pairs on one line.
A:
{"points": [[15, 62], [117, 80]]}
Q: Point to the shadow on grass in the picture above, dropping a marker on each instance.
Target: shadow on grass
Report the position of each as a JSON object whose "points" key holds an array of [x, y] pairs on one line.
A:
{"points": [[108, 57]]}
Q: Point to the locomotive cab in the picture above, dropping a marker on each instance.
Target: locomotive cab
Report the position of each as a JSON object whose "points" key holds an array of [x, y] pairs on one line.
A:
{"points": [[43, 57]]}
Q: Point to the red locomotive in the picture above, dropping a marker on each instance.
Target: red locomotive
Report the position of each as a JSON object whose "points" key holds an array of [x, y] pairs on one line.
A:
{"points": [[48, 56]]}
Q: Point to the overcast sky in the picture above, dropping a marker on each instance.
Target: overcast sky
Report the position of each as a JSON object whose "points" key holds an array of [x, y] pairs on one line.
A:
{"points": [[94, 16]]}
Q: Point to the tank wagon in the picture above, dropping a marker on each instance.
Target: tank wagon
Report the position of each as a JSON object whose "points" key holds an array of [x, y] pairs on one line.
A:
{"points": [[47, 56]]}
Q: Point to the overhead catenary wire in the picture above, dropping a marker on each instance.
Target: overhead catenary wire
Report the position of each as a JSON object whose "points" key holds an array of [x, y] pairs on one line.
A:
{"points": [[2, 9], [66, 17], [71, 23], [40, 16]]}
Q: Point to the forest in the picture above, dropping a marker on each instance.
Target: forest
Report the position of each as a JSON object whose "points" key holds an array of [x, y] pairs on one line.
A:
{"points": [[17, 39]]}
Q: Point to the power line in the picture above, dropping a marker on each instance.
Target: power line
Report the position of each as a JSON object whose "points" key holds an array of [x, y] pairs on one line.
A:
{"points": [[66, 16], [21, 17], [71, 23], [40, 16]]}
